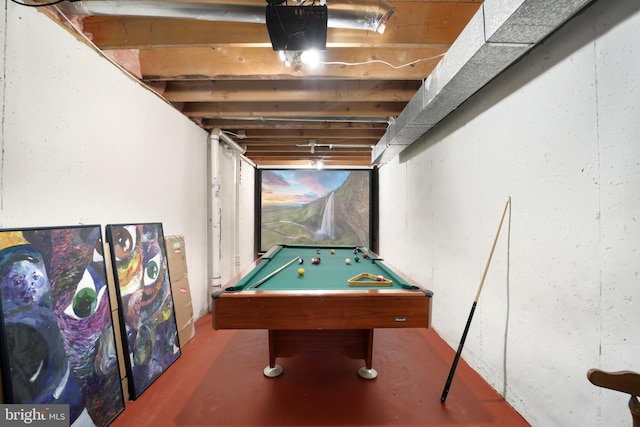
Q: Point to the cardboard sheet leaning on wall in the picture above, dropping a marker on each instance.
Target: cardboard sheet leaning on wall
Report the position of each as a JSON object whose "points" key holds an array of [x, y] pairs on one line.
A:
{"points": [[179, 277]]}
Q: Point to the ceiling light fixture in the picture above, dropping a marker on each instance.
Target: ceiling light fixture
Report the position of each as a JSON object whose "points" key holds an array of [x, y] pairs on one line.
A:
{"points": [[310, 58], [317, 164]]}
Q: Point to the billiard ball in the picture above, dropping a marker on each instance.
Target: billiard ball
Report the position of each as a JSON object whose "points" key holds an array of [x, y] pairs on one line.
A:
{"points": [[365, 255], [357, 259], [318, 250], [356, 250], [300, 261], [315, 260], [347, 261], [301, 271], [332, 252], [379, 278]]}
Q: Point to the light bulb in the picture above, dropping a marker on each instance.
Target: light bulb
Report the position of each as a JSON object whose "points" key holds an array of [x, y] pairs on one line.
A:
{"points": [[310, 58]]}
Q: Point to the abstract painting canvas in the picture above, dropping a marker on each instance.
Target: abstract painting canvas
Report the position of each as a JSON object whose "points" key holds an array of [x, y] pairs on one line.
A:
{"points": [[147, 317], [58, 342]]}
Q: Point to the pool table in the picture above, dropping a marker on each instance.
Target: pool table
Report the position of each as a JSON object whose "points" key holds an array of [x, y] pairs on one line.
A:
{"points": [[333, 305]]}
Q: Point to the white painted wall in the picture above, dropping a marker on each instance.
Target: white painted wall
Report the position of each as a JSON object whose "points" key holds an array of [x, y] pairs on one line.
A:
{"points": [[84, 144], [559, 132]]}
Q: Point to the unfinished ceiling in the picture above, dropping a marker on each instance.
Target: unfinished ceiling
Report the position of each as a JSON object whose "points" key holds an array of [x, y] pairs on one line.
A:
{"points": [[371, 96], [226, 75]]}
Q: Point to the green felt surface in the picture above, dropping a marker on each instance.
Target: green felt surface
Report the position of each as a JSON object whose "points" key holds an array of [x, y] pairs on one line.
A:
{"points": [[331, 274]]}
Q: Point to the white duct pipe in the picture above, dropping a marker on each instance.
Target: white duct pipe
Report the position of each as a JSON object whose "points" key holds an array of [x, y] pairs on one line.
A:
{"points": [[215, 276], [369, 15]]}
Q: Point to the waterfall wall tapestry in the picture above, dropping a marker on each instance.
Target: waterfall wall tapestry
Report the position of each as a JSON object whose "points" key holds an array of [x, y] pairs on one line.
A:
{"points": [[58, 342], [324, 207], [147, 317]]}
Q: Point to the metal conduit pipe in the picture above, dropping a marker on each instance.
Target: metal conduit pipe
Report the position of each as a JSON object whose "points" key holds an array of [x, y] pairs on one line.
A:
{"points": [[369, 15]]}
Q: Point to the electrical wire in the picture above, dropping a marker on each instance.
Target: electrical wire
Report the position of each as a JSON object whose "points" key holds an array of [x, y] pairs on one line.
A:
{"points": [[380, 61], [37, 5]]}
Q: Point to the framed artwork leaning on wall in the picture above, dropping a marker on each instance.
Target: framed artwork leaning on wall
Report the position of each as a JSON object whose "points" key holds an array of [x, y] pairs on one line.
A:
{"points": [[58, 340], [147, 317]]}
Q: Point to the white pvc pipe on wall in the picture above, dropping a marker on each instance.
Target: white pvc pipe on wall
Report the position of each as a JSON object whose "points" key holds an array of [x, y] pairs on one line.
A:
{"points": [[237, 166], [236, 152], [214, 215]]}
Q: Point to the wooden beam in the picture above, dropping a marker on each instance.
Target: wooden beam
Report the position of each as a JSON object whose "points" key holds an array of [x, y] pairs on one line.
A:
{"points": [[286, 124], [302, 145], [306, 162], [293, 109], [225, 63], [290, 90], [306, 152], [337, 134]]}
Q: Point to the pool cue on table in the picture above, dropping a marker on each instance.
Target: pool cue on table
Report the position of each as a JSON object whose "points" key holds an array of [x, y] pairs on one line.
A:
{"points": [[445, 392], [264, 279]]}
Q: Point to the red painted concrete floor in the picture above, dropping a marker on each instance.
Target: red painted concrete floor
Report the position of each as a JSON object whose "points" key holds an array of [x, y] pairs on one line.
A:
{"points": [[218, 381]]}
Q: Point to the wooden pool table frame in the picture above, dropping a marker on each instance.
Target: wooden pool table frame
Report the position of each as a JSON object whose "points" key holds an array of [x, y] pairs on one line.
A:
{"points": [[340, 320]]}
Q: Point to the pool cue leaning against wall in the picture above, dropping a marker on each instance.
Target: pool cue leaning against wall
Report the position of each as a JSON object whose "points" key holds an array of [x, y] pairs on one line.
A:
{"points": [[445, 392]]}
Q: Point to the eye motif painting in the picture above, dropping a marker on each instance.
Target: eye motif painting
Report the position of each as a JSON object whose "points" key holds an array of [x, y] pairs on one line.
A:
{"points": [[146, 304], [58, 342]]}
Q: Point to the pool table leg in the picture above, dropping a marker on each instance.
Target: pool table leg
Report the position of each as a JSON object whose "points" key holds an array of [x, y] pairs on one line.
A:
{"points": [[367, 372], [272, 370]]}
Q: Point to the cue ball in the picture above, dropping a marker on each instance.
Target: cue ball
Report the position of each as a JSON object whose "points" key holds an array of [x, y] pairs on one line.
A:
{"points": [[301, 271], [347, 261]]}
